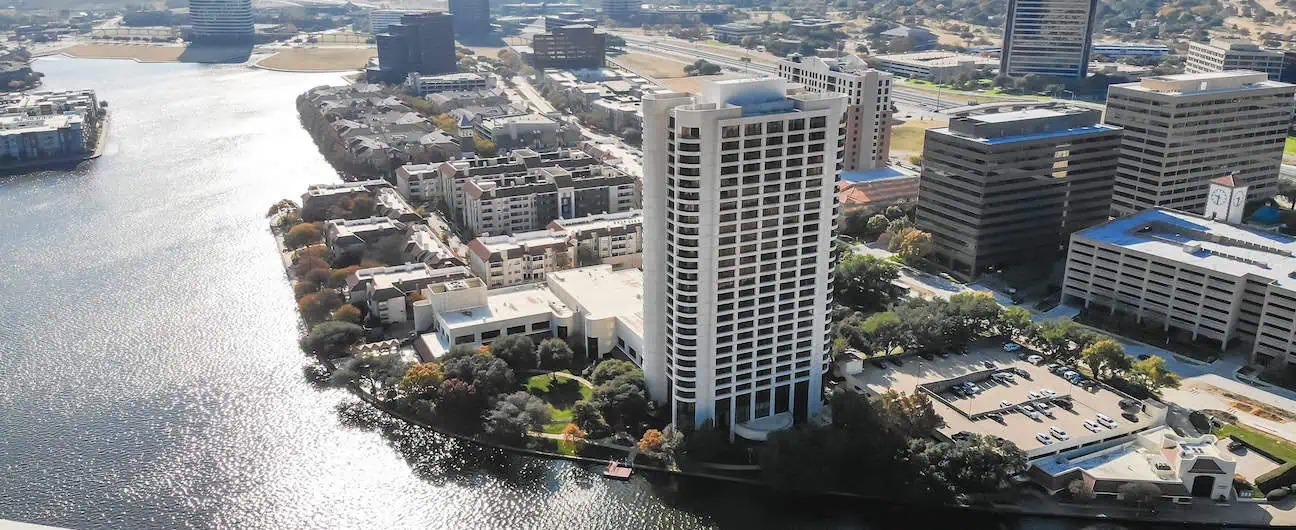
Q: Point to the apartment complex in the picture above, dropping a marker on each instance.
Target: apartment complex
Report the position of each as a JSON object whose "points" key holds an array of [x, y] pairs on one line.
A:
{"points": [[221, 20], [1183, 130], [49, 125], [621, 9], [1048, 37], [422, 43], [1223, 55], [471, 18], [1193, 275], [387, 291], [739, 220], [423, 85], [1004, 188], [610, 239], [447, 183], [868, 103], [575, 46], [530, 202]]}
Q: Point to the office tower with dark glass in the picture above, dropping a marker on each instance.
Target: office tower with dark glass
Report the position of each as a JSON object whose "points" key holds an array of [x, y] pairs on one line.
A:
{"points": [[1048, 37], [1182, 131], [739, 222], [1004, 188], [221, 20], [423, 43], [471, 18]]}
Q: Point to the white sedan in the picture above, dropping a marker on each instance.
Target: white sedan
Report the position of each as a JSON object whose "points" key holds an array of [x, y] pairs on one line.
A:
{"points": [[1044, 438], [1089, 424], [1059, 433]]}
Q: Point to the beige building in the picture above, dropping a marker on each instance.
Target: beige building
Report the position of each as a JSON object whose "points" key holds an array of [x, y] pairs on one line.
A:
{"points": [[614, 239], [1223, 55], [868, 103], [1232, 285], [1181, 131]]}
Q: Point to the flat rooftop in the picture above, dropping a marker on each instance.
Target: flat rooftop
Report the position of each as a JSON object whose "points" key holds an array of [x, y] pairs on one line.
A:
{"points": [[1016, 427], [872, 175], [506, 304], [602, 292], [1191, 239], [1203, 83]]}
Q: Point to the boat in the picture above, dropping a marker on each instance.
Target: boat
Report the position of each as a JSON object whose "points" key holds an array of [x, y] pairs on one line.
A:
{"points": [[617, 470]]}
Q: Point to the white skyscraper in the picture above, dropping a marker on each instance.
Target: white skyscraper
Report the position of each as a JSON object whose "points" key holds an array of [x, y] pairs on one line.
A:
{"points": [[868, 103], [739, 220], [221, 20]]}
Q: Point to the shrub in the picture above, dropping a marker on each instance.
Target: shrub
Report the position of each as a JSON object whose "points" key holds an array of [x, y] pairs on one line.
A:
{"points": [[303, 234], [301, 289], [348, 313], [1278, 494]]}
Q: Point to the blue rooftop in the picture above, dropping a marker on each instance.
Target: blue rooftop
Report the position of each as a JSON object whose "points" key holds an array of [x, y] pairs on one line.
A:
{"points": [[870, 175]]}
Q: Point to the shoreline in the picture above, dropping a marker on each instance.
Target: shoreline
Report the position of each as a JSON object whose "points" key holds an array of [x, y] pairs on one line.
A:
{"points": [[19, 168]]}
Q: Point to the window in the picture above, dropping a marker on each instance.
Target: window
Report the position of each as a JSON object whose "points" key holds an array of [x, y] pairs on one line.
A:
{"points": [[539, 326], [488, 335], [516, 330], [464, 339]]}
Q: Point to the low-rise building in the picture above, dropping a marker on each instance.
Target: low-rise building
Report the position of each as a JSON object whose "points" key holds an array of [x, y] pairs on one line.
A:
{"points": [[614, 239], [388, 291], [423, 85], [570, 18], [48, 125], [507, 206], [323, 197], [876, 188], [419, 183], [735, 32], [1223, 55], [921, 38], [515, 164], [458, 99], [1113, 50], [935, 66], [1191, 275], [526, 130], [608, 309], [611, 239], [574, 46], [425, 247], [353, 236], [464, 312]]}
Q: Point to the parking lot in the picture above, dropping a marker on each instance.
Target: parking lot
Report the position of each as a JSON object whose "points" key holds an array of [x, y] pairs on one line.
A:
{"points": [[1067, 410]]}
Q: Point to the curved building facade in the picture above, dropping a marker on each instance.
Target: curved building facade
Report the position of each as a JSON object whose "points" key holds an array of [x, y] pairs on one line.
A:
{"points": [[221, 20]]}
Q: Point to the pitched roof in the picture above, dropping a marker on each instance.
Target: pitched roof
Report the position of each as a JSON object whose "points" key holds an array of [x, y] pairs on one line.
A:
{"points": [[1225, 181]]}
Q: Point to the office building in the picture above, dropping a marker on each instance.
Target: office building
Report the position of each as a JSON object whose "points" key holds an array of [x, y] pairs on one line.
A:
{"points": [[422, 43], [735, 32], [471, 18], [423, 85], [739, 220], [1004, 188], [621, 9], [221, 20], [1193, 276], [1048, 37], [568, 19], [381, 19], [1223, 55], [530, 202], [1113, 50], [915, 38], [569, 47], [1183, 130], [868, 103], [935, 66]]}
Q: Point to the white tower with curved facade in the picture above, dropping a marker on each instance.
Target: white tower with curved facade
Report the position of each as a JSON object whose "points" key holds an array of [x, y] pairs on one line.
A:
{"points": [[221, 20], [739, 220]]}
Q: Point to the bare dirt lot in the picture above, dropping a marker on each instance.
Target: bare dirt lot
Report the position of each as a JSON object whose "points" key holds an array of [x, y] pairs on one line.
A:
{"points": [[145, 53], [319, 59], [653, 65]]}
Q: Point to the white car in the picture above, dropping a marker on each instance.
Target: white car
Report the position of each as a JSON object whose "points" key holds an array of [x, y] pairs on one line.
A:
{"points": [[1089, 424], [1034, 359], [1033, 395], [1044, 438], [1026, 407], [1004, 404], [1047, 392], [1106, 421], [1011, 346], [1058, 433], [1042, 406], [1033, 415]]}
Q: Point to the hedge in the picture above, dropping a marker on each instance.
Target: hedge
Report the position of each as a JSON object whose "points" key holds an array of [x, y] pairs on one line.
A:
{"points": [[1276, 478]]}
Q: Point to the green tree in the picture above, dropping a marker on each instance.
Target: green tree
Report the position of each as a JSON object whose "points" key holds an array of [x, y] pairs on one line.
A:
{"points": [[925, 324], [912, 415], [303, 234], [516, 350], [514, 415], [623, 401], [883, 332], [1105, 359], [893, 212], [422, 379], [331, 338], [611, 369], [1053, 337], [458, 404], [1152, 373], [1015, 321], [555, 354], [969, 315], [867, 283], [377, 374], [587, 416], [876, 225], [487, 374], [978, 465], [1139, 494]]}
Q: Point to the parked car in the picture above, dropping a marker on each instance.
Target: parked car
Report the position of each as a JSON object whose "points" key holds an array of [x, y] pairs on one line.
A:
{"points": [[1043, 438], [1235, 445], [1026, 407], [1058, 433], [1054, 368], [1048, 392], [988, 364], [1063, 404], [1022, 355], [1106, 421], [995, 416], [1089, 424], [1011, 346], [1033, 415], [1033, 395], [1005, 404], [961, 435], [1042, 406], [944, 354], [1021, 371], [1035, 359]]}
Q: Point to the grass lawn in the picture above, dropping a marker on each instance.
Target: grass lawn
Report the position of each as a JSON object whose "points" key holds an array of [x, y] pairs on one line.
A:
{"points": [[907, 138], [561, 401], [1290, 148], [1278, 448]]}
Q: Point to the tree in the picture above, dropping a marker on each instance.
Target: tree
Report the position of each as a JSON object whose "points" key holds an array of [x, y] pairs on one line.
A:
{"points": [[514, 415], [912, 245], [484, 147], [330, 338], [867, 283], [301, 289], [375, 374], [458, 404], [338, 277], [1003, 81], [574, 436], [316, 307], [926, 325], [1081, 491], [876, 225], [422, 379], [705, 443], [892, 213], [516, 350], [912, 415], [651, 442], [348, 313], [306, 264], [623, 401], [1105, 359], [555, 354], [363, 207], [283, 204], [1152, 373], [1015, 321], [587, 416], [978, 465], [611, 369], [883, 331], [1053, 338], [1139, 494], [302, 235], [488, 374], [970, 315], [390, 250]]}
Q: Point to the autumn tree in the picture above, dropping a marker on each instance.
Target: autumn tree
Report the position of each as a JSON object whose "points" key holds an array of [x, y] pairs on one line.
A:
{"points": [[303, 234], [319, 306], [651, 442], [422, 379], [338, 277], [574, 436], [911, 244], [348, 313]]}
